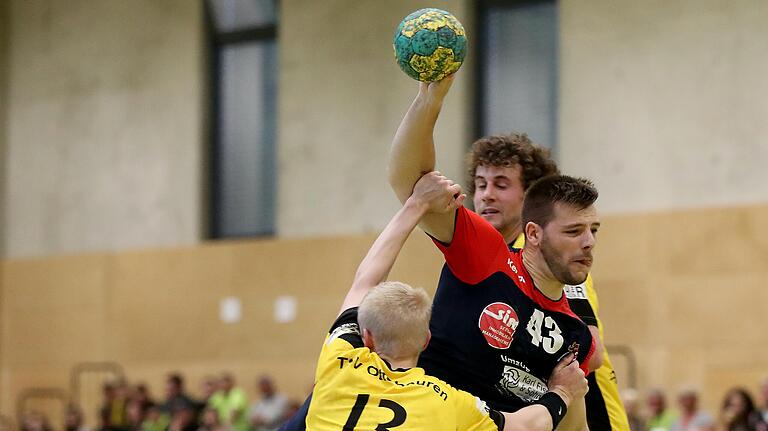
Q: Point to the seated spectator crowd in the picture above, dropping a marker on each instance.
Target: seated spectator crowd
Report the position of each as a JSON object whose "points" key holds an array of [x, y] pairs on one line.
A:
{"points": [[224, 406]]}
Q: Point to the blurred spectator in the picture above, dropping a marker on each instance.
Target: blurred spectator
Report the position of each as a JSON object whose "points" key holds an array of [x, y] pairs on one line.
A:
{"points": [[738, 412], [691, 418], [208, 387], [155, 420], [183, 419], [209, 421], [104, 421], [631, 401], [231, 404], [271, 410], [73, 419], [763, 407], [660, 418], [141, 394], [134, 414], [113, 414], [175, 396], [34, 421]]}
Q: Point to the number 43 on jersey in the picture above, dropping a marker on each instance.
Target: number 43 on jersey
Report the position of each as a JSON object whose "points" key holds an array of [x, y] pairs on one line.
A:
{"points": [[545, 332]]}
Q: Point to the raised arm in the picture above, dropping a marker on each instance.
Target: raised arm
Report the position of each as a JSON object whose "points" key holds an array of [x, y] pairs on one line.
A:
{"points": [[433, 193], [413, 152]]}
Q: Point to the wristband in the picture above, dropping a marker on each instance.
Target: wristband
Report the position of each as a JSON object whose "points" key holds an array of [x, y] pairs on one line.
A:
{"points": [[555, 405]]}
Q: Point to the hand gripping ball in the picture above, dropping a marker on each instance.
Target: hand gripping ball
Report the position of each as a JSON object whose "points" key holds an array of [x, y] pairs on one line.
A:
{"points": [[430, 44]]}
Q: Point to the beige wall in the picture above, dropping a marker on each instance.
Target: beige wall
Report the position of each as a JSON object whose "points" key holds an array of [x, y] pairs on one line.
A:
{"points": [[104, 125], [341, 98], [157, 311], [662, 103], [104, 137], [687, 298]]}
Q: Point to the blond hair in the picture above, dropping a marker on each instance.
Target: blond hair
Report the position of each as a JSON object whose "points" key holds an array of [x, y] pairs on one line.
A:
{"points": [[397, 315]]}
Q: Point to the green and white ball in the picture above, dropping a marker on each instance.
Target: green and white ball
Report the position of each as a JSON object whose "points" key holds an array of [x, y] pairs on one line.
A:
{"points": [[430, 44]]}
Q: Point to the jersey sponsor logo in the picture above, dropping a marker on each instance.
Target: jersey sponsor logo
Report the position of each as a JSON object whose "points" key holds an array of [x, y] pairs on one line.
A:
{"points": [[518, 382], [514, 269], [347, 328], [498, 323], [576, 291]]}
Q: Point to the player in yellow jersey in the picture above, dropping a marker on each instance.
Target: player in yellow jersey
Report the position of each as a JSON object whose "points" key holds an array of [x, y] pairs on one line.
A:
{"points": [[366, 376]]}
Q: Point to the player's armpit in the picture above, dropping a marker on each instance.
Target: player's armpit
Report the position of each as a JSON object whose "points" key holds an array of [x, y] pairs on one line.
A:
{"points": [[439, 226], [596, 360]]}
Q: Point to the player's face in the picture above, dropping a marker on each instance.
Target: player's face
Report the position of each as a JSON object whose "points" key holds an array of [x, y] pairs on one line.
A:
{"points": [[499, 196], [567, 242]]}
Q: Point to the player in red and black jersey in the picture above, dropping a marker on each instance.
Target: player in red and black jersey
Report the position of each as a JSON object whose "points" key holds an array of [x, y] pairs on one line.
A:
{"points": [[502, 170], [500, 319]]}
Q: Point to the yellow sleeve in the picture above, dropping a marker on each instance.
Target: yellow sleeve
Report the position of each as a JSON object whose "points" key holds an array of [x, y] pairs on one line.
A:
{"points": [[473, 414]]}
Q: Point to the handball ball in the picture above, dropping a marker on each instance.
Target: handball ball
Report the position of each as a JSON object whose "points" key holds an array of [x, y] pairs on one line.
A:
{"points": [[430, 44]]}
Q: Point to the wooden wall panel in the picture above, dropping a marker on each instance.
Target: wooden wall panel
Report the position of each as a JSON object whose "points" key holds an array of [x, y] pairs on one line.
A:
{"points": [[685, 290]]}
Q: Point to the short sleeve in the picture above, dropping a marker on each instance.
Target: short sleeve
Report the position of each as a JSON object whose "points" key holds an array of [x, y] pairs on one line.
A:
{"points": [[346, 328], [579, 302], [474, 415], [475, 249]]}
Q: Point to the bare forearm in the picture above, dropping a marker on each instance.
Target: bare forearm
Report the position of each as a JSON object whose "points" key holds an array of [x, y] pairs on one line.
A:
{"points": [[413, 149], [531, 418], [381, 257]]}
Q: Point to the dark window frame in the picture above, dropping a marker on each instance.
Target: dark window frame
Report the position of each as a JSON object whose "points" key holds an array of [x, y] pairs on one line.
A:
{"points": [[482, 7], [215, 43]]}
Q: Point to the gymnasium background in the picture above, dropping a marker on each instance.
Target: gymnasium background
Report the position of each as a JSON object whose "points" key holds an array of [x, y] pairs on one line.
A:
{"points": [[113, 209]]}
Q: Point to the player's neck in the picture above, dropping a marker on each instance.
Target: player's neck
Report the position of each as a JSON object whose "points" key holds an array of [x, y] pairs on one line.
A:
{"points": [[542, 277], [510, 233], [396, 363]]}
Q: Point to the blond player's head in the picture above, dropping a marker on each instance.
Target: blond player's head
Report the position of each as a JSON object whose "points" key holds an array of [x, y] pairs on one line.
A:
{"points": [[396, 316]]}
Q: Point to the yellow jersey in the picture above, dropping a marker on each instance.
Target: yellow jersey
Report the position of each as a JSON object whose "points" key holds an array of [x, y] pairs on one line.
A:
{"points": [[605, 411], [355, 389]]}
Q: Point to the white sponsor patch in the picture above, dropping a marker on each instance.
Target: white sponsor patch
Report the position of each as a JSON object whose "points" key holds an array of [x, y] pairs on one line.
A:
{"points": [[576, 292], [527, 387], [347, 328]]}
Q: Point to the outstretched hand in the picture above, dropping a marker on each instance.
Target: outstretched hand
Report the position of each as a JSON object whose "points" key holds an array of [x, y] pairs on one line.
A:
{"points": [[436, 91], [438, 193], [568, 380]]}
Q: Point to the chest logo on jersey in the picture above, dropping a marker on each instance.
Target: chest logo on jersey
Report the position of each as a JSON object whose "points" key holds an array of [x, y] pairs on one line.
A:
{"points": [[498, 323]]}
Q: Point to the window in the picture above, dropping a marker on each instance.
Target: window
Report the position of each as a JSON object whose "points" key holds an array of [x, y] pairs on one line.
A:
{"points": [[243, 56], [517, 69]]}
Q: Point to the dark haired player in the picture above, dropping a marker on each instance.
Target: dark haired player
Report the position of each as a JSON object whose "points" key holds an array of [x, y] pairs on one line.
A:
{"points": [[366, 375], [500, 169]]}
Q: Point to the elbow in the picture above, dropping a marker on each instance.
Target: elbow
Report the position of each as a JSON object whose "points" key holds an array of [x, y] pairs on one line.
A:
{"points": [[402, 190]]}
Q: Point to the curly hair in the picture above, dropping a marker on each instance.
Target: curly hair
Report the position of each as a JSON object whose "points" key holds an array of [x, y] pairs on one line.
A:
{"points": [[510, 150]]}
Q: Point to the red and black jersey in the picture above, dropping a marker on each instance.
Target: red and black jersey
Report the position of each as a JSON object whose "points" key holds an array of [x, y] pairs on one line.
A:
{"points": [[494, 334]]}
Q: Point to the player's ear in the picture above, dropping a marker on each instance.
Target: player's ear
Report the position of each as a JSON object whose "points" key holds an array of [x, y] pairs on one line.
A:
{"points": [[429, 337], [533, 233], [368, 339]]}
